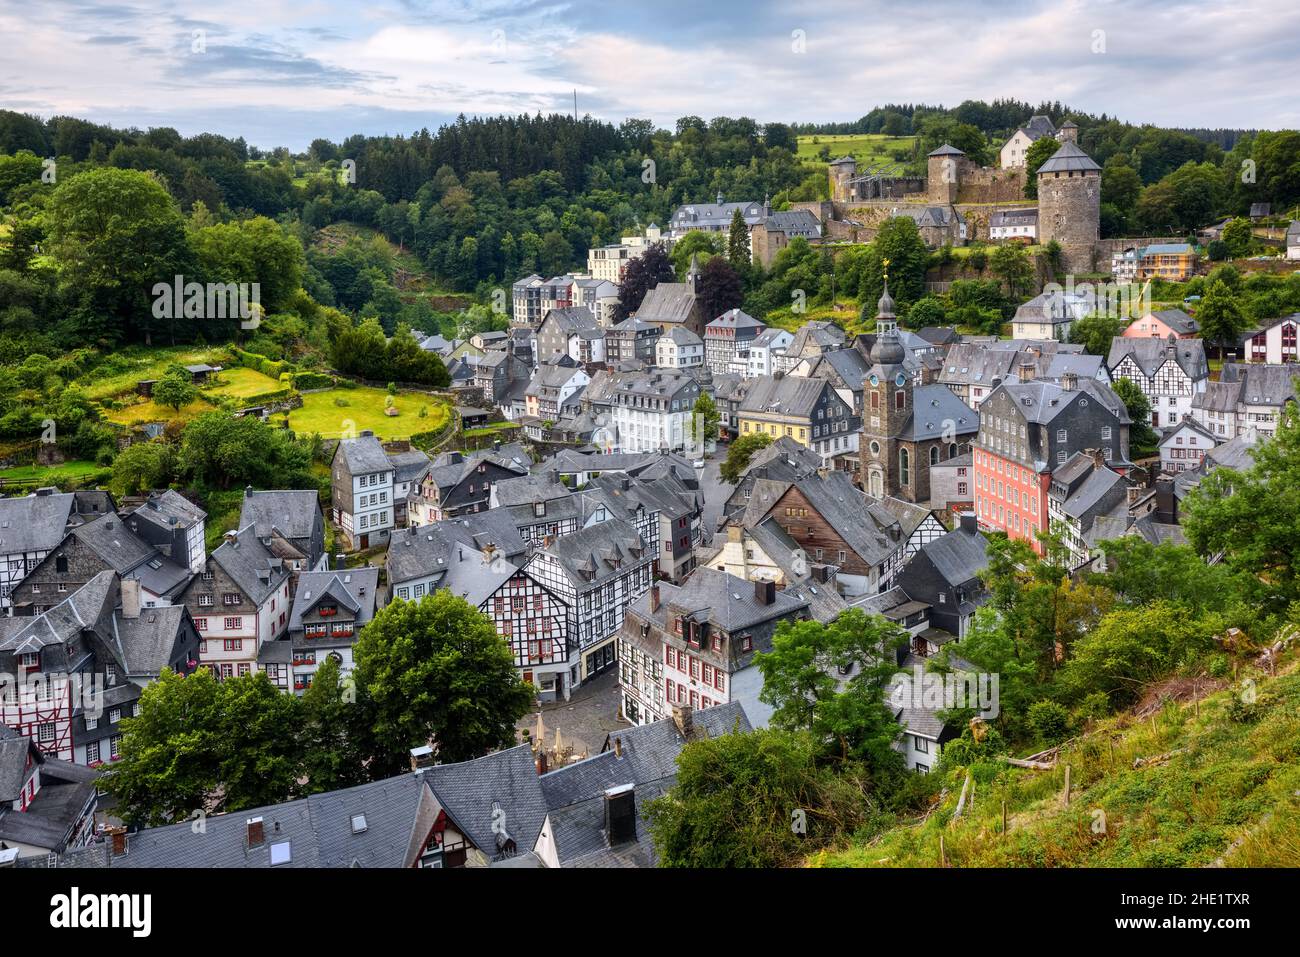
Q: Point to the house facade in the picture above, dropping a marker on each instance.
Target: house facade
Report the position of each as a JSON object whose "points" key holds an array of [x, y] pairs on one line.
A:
{"points": [[361, 487], [1171, 373]]}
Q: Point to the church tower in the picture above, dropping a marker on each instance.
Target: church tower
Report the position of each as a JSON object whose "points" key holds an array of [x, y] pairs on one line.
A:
{"points": [[887, 407]]}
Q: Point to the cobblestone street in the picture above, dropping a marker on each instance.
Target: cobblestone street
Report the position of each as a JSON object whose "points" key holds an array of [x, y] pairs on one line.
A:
{"points": [[585, 719]]}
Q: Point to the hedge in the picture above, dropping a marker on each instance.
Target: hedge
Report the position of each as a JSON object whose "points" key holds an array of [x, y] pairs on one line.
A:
{"points": [[312, 380], [251, 360]]}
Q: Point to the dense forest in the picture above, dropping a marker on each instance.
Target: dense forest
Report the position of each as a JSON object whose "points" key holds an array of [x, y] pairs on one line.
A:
{"points": [[94, 217]]}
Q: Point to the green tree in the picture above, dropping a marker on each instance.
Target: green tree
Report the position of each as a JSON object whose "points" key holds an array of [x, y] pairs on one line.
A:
{"points": [[437, 671], [114, 234], [331, 759], [1220, 315], [720, 288], [1142, 438], [1010, 262], [738, 242], [142, 466], [706, 415], [801, 680], [734, 797], [1039, 152], [1095, 332], [739, 454], [1250, 517], [175, 389], [1237, 236], [199, 744], [221, 451]]}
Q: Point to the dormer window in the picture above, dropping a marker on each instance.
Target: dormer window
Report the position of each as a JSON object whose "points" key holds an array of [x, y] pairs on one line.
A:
{"points": [[539, 508]]}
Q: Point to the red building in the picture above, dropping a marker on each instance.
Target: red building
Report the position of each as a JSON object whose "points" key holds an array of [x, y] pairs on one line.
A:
{"points": [[1027, 430]]}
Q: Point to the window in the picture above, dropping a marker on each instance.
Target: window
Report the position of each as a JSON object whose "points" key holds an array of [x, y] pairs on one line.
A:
{"points": [[45, 732], [114, 715], [232, 644], [921, 745], [201, 624], [904, 467], [92, 752], [205, 601], [1060, 435], [234, 624], [92, 724], [230, 598]]}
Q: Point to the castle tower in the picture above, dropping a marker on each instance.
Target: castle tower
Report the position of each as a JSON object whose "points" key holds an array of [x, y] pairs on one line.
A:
{"points": [[1069, 206], [840, 172], [943, 174], [887, 406], [1069, 132]]}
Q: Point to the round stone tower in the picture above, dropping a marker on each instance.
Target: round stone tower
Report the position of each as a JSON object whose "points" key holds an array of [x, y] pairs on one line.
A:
{"points": [[943, 174], [1069, 206], [841, 171]]}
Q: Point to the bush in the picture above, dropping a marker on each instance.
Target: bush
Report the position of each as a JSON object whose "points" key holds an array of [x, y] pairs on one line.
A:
{"points": [[1049, 720]]}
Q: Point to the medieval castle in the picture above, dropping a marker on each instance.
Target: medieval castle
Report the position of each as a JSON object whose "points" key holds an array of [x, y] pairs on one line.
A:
{"points": [[959, 201]]}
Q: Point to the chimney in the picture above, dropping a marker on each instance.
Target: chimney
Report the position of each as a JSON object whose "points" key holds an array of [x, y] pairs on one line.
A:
{"points": [[1134, 492], [684, 719], [1069, 382], [256, 832], [131, 598], [230, 536], [421, 758], [968, 523], [248, 491], [1028, 369], [764, 592], [735, 534], [542, 765], [654, 598], [620, 814], [1098, 458], [618, 747], [117, 835], [367, 434]]}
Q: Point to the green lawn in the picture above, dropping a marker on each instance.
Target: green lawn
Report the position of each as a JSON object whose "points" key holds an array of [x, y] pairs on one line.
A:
{"points": [[151, 411], [34, 473], [365, 410], [143, 362], [241, 383], [872, 150]]}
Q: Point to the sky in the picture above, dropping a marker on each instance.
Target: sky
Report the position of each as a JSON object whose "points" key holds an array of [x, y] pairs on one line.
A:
{"points": [[283, 72]]}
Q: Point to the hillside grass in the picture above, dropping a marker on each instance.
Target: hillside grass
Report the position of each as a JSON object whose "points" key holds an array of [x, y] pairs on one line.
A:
{"points": [[120, 373], [1229, 790], [76, 469], [871, 150], [148, 410], [242, 383], [365, 410]]}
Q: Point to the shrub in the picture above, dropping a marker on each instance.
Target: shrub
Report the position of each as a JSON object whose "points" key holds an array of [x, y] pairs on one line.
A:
{"points": [[1049, 720]]}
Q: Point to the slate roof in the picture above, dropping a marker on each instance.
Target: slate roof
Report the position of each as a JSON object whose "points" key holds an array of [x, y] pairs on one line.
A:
{"points": [[1069, 159], [354, 589], [670, 302], [1261, 384], [1014, 217], [784, 459], [1040, 402], [1150, 353], [958, 556], [728, 602], [946, 149], [936, 411], [34, 523], [319, 830], [417, 551], [113, 541], [575, 320], [1179, 321], [84, 608], [1099, 490], [66, 791], [365, 454], [788, 396], [14, 750], [145, 644], [594, 548], [169, 510], [295, 513], [408, 466], [251, 565], [468, 790], [652, 749]]}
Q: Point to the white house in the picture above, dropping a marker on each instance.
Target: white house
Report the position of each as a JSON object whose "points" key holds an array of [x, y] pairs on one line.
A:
{"points": [[653, 410], [679, 348], [1170, 373], [1293, 240], [767, 345], [362, 492], [1014, 224], [1184, 446], [1275, 343]]}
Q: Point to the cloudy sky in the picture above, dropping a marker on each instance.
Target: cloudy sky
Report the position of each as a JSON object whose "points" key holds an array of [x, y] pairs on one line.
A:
{"points": [[281, 72]]}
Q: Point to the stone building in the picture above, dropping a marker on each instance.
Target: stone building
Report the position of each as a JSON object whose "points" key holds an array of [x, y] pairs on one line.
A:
{"points": [[1069, 206]]}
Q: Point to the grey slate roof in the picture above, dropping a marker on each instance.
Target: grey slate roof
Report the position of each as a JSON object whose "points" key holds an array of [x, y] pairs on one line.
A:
{"points": [[1179, 321], [787, 396], [419, 551], [35, 522], [1150, 353], [84, 608], [398, 814], [936, 411], [364, 454], [408, 466], [251, 565], [670, 302], [468, 790], [593, 549], [728, 602], [958, 556], [144, 644], [14, 749], [1069, 159], [169, 510], [295, 513], [353, 588]]}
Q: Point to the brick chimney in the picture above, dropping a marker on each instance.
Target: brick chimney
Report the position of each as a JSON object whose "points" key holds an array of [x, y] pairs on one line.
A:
{"points": [[117, 837], [764, 592], [1069, 382], [1028, 370], [1098, 458], [684, 718], [256, 832], [654, 598], [131, 598]]}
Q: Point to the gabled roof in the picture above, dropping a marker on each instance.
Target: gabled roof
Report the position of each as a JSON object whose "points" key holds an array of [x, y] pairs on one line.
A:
{"points": [[590, 556], [958, 556], [145, 644], [1150, 353], [15, 749], [294, 513], [251, 565], [85, 608], [364, 455], [946, 149], [935, 408], [169, 510], [1177, 320], [790, 396], [470, 791], [671, 302], [424, 550], [36, 522], [354, 589]]}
